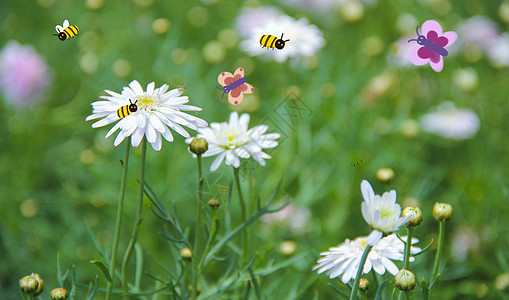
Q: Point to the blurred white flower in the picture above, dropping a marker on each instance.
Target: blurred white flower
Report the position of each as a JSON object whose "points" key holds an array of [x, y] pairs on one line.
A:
{"points": [[305, 39], [345, 258], [233, 140], [295, 218], [316, 5], [398, 54], [156, 111], [24, 76], [450, 122], [498, 52], [382, 214], [465, 241], [479, 30], [250, 19]]}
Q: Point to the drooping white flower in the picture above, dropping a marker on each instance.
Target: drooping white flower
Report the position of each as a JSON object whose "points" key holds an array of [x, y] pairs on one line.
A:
{"points": [[382, 213], [479, 30], [450, 122], [157, 112], [345, 258], [233, 140], [295, 218], [304, 39]]}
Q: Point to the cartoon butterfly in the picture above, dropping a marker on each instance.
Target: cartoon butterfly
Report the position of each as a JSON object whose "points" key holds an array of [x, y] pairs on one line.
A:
{"points": [[431, 45], [234, 85]]}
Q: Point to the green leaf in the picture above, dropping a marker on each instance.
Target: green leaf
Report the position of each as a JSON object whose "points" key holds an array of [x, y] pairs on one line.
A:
{"points": [[381, 289], [94, 289], [103, 268], [423, 250], [338, 291]]}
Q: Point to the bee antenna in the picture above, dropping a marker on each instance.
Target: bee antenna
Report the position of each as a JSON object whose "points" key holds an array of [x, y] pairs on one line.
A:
{"points": [[282, 35], [287, 40], [55, 34]]}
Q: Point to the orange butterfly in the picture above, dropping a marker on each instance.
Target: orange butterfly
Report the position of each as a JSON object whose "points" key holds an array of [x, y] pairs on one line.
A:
{"points": [[234, 85]]}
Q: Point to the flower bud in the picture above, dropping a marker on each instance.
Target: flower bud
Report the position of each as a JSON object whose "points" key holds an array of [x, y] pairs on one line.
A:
{"points": [[198, 146], [214, 203], [416, 218], [442, 211], [405, 280], [363, 285], [288, 248], [385, 174], [58, 294], [186, 254], [31, 284]]}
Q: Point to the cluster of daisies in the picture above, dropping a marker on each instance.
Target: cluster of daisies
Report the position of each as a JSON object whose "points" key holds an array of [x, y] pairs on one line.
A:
{"points": [[384, 216], [159, 110]]}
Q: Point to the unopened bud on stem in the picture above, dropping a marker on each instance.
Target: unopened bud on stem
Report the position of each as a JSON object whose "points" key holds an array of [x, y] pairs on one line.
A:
{"points": [[214, 203], [31, 284], [416, 216], [442, 211], [58, 294], [363, 285], [186, 254], [199, 146], [405, 280]]}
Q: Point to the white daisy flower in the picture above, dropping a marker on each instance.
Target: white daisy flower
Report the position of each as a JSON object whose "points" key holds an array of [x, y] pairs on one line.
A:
{"points": [[382, 213], [232, 140], [345, 258], [157, 111], [304, 39], [450, 122], [498, 52]]}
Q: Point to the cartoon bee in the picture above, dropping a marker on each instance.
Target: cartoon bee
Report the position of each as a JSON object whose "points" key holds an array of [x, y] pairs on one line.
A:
{"points": [[270, 41], [127, 109], [66, 31]]}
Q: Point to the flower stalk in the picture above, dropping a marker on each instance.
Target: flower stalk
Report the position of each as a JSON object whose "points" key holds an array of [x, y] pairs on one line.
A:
{"points": [[355, 287], [441, 235], [118, 222], [197, 237], [139, 219], [243, 213]]}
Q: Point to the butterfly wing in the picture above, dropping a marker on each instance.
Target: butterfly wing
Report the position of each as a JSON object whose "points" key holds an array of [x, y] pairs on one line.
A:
{"points": [[451, 37], [66, 24], [249, 88], [236, 96], [223, 77], [239, 71], [431, 25]]}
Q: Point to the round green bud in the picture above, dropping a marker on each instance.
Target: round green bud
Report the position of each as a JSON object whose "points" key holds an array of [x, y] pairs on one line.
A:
{"points": [[31, 284], [288, 248], [405, 280], [363, 285], [214, 203], [416, 216], [58, 294], [385, 174], [198, 146], [442, 211], [186, 254]]}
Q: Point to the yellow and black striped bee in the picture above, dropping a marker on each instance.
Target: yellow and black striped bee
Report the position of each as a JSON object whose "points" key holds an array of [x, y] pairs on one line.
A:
{"points": [[127, 109], [270, 41], [66, 31]]}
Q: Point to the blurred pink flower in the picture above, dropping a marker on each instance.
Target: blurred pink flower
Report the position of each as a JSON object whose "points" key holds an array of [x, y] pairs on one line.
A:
{"points": [[294, 218], [24, 76], [465, 241], [479, 30]]}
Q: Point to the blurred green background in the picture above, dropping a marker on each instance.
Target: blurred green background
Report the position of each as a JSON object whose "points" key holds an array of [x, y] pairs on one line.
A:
{"points": [[59, 176]]}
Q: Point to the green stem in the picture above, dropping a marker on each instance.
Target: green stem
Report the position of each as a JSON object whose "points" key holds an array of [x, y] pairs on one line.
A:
{"points": [[243, 213], [408, 246], [209, 242], [118, 222], [353, 295], [139, 219], [197, 234], [439, 253]]}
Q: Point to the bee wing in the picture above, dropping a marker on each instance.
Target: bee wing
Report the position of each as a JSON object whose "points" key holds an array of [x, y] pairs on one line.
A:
{"points": [[223, 76], [59, 28], [66, 23], [239, 71], [249, 90], [235, 96]]}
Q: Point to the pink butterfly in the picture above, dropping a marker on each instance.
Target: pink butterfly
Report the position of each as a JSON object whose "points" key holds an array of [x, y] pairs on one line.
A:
{"points": [[234, 85], [431, 45]]}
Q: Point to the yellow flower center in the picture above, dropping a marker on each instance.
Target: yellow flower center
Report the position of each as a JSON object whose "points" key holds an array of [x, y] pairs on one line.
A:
{"points": [[148, 103], [386, 212]]}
